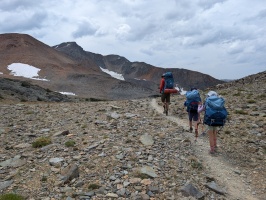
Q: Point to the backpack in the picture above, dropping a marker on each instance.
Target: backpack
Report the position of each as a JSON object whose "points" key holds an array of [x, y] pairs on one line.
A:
{"points": [[193, 99], [215, 112], [168, 80]]}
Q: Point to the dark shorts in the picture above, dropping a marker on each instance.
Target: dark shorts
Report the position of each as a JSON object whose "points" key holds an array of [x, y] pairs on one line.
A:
{"points": [[165, 97], [193, 115]]}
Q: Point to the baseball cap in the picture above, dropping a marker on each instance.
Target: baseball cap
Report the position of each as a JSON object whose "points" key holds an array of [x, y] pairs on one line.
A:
{"points": [[212, 93]]}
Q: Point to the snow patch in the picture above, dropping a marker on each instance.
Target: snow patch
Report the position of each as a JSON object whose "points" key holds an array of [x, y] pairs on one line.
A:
{"points": [[25, 70], [181, 90], [68, 93], [113, 74]]}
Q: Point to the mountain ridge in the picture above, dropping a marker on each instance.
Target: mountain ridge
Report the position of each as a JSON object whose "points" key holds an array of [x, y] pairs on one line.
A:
{"points": [[141, 70]]}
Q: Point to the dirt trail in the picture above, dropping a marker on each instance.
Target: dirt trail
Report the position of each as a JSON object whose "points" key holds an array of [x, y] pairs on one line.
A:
{"points": [[221, 170]]}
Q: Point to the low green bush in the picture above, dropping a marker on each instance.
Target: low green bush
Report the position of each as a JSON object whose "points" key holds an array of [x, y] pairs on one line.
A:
{"points": [[94, 186], [70, 143], [251, 101], [11, 196], [241, 112], [42, 141]]}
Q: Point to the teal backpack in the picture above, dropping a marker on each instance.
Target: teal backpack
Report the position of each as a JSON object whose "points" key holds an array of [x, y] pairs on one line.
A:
{"points": [[169, 80]]}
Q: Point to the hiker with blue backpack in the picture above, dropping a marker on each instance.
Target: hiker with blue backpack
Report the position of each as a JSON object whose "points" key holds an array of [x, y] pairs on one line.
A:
{"points": [[214, 117], [192, 101], [167, 88]]}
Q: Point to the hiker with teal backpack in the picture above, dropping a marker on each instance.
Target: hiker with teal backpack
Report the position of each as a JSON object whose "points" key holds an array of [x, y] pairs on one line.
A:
{"points": [[214, 117], [166, 88], [192, 101]]}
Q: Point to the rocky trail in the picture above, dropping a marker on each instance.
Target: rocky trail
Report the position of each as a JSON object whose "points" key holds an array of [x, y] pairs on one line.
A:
{"points": [[218, 167]]}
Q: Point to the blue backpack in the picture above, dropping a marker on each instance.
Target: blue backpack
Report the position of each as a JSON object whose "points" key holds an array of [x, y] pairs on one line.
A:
{"points": [[215, 112], [168, 80], [193, 99]]}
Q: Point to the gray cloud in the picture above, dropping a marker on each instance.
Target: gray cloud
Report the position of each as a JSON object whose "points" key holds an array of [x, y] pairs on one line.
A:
{"points": [[11, 5], [208, 4], [85, 28], [24, 22], [219, 33]]}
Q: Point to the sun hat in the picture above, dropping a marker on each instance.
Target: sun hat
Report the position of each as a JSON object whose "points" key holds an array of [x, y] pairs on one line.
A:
{"points": [[212, 93]]}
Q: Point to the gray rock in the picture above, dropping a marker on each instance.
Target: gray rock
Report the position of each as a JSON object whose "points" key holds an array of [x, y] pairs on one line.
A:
{"points": [[2, 130], [70, 173], [114, 115], [120, 156], [23, 145], [148, 171], [13, 162], [190, 190], [154, 189], [112, 195], [5, 184], [92, 147], [48, 147], [89, 194], [121, 192], [144, 197], [214, 187], [56, 161], [146, 140]]}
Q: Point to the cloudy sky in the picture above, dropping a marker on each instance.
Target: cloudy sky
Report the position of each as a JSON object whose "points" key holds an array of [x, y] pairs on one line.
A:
{"points": [[223, 38]]}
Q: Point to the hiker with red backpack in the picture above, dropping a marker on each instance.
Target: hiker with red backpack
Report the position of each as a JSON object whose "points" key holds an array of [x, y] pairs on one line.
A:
{"points": [[166, 88], [192, 101], [214, 117]]}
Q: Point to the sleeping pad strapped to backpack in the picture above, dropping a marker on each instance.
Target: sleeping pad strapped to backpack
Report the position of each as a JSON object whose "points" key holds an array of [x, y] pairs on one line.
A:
{"points": [[193, 99], [215, 112]]}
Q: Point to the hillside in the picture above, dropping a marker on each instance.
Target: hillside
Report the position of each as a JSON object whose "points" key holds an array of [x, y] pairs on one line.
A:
{"points": [[129, 150], [64, 74]]}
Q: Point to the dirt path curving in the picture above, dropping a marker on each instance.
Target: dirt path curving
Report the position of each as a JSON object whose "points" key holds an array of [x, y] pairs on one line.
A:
{"points": [[218, 167]]}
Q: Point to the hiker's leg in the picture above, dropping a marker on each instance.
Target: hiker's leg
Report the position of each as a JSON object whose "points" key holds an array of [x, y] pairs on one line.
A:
{"points": [[190, 123], [195, 119], [163, 99], [211, 138], [167, 98], [215, 138], [190, 116], [167, 101]]}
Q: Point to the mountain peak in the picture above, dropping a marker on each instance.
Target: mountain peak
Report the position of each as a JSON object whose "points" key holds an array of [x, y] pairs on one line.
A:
{"points": [[68, 45]]}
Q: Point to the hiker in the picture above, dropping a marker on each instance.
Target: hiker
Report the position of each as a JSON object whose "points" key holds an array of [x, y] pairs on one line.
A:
{"points": [[192, 101], [214, 117], [166, 88], [165, 97]]}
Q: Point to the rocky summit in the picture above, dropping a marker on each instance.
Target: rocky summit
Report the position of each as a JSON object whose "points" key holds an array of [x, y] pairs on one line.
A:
{"points": [[129, 149]]}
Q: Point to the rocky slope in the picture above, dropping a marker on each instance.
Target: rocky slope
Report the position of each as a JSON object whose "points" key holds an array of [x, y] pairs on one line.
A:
{"points": [[129, 150], [23, 91]]}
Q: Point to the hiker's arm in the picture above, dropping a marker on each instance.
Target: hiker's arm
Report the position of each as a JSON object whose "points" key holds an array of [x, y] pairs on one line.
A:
{"points": [[201, 108], [161, 85]]}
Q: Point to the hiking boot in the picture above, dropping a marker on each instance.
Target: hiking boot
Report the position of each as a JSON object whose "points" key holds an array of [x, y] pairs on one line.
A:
{"points": [[166, 112], [190, 129], [211, 152], [215, 148]]}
